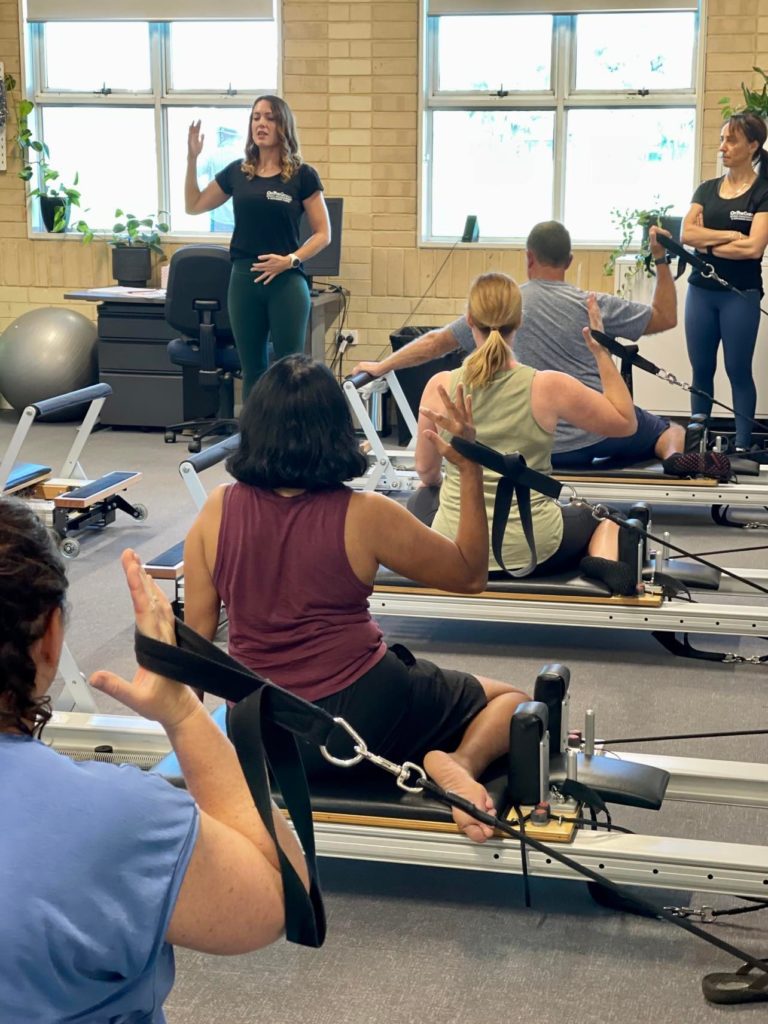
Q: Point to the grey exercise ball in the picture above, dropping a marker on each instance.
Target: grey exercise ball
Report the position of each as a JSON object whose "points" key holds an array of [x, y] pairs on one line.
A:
{"points": [[47, 352]]}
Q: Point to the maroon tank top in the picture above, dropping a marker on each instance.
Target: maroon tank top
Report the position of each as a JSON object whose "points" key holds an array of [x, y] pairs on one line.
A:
{"points": [[297, 613]]}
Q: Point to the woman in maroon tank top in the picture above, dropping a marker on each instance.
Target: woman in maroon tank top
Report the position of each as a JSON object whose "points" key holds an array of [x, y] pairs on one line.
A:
{"points": [[292, 554]]}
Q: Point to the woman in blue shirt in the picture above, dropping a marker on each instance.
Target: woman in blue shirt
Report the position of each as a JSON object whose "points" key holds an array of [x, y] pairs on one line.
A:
{"points": [[103, 867]]}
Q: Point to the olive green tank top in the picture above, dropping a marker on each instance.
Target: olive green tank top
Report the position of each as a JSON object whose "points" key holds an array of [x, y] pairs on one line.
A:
{"points": [[503, 419]]}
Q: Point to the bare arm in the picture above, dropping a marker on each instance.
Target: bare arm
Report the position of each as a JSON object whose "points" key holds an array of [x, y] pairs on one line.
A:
{"points": [[431, 345], [746, 247], [320, 224], [664, 302], [212, 195], [428, 462], [201, 600], [694, 233], [231, 899]]}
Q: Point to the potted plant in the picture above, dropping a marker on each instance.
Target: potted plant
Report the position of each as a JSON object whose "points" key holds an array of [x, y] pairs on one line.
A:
{"points": [[629, 222], [755, 100], [133, 240], [56, 199]]}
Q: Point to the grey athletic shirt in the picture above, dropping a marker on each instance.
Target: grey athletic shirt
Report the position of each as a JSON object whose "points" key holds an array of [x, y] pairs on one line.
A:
{"points": [[549, 338]]}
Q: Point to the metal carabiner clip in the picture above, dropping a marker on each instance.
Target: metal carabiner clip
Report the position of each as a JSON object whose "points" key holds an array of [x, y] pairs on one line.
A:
{"points": [[361, 748]]}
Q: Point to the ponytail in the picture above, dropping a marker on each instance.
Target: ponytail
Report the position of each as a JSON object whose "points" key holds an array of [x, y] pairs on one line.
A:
{"points": [[485, 362], [494, 305]]}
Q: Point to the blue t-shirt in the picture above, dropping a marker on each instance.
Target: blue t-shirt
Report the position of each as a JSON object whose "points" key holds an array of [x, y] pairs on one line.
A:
{"points": [[92, 857], [549, 338]]}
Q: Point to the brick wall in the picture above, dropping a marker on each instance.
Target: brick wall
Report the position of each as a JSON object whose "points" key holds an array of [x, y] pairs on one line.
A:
{"points": [[351, 76]]}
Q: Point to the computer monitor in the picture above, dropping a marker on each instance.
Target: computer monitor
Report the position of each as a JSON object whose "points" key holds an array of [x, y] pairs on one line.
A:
{"points": [[327, 262]]}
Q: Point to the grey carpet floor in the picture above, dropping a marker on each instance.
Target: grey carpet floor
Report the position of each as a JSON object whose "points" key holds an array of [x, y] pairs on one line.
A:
{"points": [[415, 945]]}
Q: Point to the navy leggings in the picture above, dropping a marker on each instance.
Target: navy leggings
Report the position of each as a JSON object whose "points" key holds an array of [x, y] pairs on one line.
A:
{"points": [[712, 316]]}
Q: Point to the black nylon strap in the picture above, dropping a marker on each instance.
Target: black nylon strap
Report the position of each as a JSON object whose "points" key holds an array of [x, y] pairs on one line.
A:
{"points": [[263, 723], [517, 481]]}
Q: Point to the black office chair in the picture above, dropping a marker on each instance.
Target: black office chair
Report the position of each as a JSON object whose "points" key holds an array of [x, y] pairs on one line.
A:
{"points": [[196, 306]]}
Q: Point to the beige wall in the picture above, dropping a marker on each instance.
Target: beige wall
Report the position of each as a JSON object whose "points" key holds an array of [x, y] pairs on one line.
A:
{"points": [[351, 76]]}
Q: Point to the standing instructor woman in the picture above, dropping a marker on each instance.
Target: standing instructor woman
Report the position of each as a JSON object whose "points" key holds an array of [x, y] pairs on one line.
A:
{"points": [[270, 189], [728, 225]]}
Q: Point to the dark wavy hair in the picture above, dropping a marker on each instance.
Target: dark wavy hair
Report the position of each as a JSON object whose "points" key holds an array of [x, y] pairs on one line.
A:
{"points": [[32, 586], [296, 430], [752, 127], [290, 157]]}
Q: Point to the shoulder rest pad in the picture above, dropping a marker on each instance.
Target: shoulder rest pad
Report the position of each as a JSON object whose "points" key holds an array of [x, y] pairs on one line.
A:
{"points": [[617, 782], [565, 584]]}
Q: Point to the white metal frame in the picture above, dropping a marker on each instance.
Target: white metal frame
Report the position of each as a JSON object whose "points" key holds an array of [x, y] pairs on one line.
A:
{"points": [[388, 470]]}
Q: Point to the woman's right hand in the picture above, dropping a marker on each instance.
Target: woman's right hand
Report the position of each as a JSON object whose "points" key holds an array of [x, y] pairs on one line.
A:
{"points": [[149, 695], [194, 141]]}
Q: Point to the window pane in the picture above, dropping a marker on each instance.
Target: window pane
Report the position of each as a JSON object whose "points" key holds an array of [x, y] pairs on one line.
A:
{"points": [[225, 130], [660, 55], [83, 56], [630, 159], [215, 55], [495, 164], [114, 156], [486, 53]]}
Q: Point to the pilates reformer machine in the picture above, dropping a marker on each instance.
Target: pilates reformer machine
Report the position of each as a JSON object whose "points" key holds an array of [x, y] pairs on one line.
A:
{"points": [[678, 596], [550, 792], [392, 470], [70, 502]]}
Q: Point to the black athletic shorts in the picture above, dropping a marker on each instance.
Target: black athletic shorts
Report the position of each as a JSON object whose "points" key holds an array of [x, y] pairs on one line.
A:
{"points": [[403, 707]]}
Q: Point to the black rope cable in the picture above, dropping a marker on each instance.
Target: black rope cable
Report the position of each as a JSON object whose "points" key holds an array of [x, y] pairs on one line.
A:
{"points": [[735, 551], [452, 800], [635, 359], [685, 736], [606, 513]]}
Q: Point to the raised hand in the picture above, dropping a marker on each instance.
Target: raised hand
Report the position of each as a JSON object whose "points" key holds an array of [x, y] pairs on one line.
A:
{"points": [[657, 250], [595, 323], [149, 695], [195, 141], [456, 417]]}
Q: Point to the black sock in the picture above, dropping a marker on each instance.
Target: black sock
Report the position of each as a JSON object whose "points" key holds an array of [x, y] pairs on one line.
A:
{"points": [[617, 575]]}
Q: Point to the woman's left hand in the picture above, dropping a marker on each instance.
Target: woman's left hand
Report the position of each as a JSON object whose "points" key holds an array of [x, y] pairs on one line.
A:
{"points": [[269, 266], [456, 418], [595, 324]]}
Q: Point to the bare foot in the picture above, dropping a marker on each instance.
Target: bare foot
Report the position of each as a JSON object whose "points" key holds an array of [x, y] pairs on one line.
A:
{"points": [[448, 773]]}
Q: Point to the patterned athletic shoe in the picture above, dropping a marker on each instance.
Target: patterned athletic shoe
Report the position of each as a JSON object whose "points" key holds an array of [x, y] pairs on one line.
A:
{"points": [[714, 465]]}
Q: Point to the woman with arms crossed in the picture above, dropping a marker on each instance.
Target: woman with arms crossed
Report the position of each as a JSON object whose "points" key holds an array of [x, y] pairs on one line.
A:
{"points": [[270, 188], [103, 867], [516, 408], [728, 225], [292, 553]]}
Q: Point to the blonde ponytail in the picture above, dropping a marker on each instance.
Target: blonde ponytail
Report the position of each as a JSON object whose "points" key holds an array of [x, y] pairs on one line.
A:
{"points": [[495, 306]]}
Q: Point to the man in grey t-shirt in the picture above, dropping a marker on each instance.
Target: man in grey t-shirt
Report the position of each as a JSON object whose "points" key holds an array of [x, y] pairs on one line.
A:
{"points": [[549, 338]]}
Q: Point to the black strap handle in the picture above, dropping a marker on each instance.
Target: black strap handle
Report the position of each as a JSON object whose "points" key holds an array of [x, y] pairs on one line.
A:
{"points": [[517, 481], [264, 722]]}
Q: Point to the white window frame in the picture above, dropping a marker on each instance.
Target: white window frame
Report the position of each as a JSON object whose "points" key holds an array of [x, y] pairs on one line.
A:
{"points": [[158, 98], [562, 98]]}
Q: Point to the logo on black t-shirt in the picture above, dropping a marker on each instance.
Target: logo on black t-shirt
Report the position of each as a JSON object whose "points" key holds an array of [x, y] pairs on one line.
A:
{"points": [[280, 196], [741, 215]]}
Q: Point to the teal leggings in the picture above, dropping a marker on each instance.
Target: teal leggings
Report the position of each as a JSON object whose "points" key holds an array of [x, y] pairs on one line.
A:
{"points": [[278, 310]]}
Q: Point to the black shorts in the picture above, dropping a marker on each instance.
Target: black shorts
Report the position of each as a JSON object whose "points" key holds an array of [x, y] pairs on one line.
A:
{"points": [[403, 707], [578, 526]]}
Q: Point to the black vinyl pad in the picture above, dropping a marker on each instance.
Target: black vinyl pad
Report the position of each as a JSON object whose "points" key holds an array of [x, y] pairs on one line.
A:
{"points": [[617, 782], [651, 469], [565, 584]]}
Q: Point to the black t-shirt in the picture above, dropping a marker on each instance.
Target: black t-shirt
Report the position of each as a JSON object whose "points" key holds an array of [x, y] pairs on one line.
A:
{"points": [[267, 210], [731, 215]]}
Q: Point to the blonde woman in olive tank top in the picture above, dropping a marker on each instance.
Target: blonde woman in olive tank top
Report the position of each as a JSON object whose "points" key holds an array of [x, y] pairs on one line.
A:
{"points": [[516, 408]]}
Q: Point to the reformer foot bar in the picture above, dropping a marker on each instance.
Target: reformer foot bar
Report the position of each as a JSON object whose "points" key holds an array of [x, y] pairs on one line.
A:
{"points": [[70, 502]]}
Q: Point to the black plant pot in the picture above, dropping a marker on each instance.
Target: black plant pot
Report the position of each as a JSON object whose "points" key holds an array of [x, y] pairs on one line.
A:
{"points": [[49, 207], [131, 265]]}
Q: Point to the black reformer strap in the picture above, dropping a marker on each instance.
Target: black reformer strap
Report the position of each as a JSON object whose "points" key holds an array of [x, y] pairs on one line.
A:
{"points": [[516, 481], [265, 721], [629, 356], [707, 271]]}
